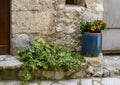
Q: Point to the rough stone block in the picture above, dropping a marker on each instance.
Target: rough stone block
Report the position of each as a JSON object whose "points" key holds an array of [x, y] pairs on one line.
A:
{"points": [[79, 74], [90, 2], [35, 5], [53, 75], [21, 41], [28, 22], [95, 61], [95, 65], [48, 74], [89, 16]]}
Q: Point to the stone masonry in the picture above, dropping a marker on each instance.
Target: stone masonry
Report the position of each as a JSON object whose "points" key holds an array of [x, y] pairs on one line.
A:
{"points": [[52, 20], [110, 73], [10, 66]]}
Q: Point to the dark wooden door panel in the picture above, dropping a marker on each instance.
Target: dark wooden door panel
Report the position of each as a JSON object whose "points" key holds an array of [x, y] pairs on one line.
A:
{"points": [[4, 26], [4, 50]]}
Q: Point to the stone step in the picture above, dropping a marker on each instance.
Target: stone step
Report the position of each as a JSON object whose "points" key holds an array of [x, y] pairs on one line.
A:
{"points": [[107, 66], [79, 81], [9, 67]]}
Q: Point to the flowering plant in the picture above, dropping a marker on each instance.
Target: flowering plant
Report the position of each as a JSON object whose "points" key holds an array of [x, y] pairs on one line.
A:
{"points": [[95, 26]]}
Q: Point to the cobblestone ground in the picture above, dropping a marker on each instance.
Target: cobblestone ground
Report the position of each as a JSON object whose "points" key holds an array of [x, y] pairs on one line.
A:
{"points": [[90, 81], [111, 65]]}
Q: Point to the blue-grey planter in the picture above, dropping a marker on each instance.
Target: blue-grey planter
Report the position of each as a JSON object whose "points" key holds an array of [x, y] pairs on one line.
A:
{"points": [[91, 43]]}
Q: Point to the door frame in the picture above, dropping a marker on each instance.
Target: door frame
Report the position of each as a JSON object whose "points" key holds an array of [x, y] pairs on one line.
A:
{"points": [[9, 25]]}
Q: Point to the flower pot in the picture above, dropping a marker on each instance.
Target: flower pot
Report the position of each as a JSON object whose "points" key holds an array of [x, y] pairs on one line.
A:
{"points": [[91, 43]]}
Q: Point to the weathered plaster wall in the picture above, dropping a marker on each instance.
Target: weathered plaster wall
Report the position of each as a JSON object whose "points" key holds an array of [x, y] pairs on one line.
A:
{"points": [[51, 20]]}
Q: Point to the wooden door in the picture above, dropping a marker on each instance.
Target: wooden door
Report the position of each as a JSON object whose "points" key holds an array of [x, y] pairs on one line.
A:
{"points": [[111, 37], [4, 26]]}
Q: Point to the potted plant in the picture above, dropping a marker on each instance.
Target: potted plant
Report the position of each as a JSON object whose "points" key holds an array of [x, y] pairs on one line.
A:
{"points": [[92, 36]]}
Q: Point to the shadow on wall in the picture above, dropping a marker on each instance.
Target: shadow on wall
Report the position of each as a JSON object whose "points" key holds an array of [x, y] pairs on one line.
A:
{"points": [[77, 2]]}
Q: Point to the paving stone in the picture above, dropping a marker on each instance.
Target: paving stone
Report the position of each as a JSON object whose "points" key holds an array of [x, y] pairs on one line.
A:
{"points": [[96, 81], [70, 82], [86, 81], [13, 83], [33, 84], [56, 84], [46, 82], [2, 83], [111, 65], [110, 81], [90, 81], [112, 62]]}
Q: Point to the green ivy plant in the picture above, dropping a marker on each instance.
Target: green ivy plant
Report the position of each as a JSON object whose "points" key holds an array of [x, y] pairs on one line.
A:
{"points": [[40, 55]]}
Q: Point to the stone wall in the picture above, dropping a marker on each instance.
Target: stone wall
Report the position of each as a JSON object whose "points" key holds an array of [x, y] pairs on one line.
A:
{"points": [[10, 69], [52, 20]]}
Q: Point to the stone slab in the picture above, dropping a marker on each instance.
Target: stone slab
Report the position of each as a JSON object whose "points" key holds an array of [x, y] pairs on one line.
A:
{"points": [[95, 61], [9, 62], [70, 82], [86, 81], [110, 81], [79, 81], [111, 65]]}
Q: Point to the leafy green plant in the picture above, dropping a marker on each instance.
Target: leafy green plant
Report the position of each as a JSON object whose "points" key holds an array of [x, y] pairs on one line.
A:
{"points": [[40, 55], [26, 77], [95, 26]]}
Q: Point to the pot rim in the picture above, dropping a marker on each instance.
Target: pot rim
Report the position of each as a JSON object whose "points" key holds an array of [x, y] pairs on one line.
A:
{"points": [[91, 33]]}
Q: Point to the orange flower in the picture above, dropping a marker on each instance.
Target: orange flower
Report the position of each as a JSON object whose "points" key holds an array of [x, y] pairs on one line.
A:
{"points": [[99, 27], [93, 28], [101, 22]]}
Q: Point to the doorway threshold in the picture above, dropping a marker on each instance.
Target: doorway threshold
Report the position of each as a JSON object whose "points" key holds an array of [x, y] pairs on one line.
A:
{"points": [[9, 62]]}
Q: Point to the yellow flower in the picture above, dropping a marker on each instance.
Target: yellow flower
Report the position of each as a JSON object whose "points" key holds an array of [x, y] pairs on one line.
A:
{"points": [[101, 22], [48, 46], [93, 28], [41, 41]]}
